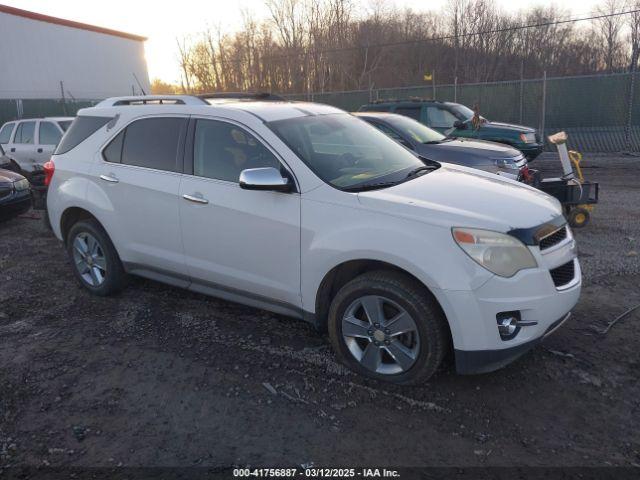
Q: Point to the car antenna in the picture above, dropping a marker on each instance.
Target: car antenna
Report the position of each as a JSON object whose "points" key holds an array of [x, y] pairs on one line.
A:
{"points": [[139, 85]]}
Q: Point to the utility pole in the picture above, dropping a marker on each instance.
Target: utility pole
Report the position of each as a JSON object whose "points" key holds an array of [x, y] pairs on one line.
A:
{"points": [[632, 86], [64, 101], [521, 91], [544, 103], [455, 90]]}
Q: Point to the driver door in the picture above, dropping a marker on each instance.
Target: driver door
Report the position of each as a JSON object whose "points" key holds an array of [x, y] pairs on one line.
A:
{"points": [[240, 244]]}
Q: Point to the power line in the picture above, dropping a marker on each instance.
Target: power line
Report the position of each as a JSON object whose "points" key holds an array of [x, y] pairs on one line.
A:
{"points": [[449, 37]]}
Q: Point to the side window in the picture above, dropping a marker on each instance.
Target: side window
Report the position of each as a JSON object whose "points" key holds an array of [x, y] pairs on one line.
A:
{"points": [[5, 132], [153, 143], [81, 129], [440, 118], [49, 134], [222, 150], [25, 133], [113, 152], [411, 112]]}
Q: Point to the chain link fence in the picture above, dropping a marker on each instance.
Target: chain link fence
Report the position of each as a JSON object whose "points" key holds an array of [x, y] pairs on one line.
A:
{"points": [[12, 109], [600, 113]]}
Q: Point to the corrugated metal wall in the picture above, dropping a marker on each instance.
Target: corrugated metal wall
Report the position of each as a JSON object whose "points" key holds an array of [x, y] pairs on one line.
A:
{"points": [[35, 56]]}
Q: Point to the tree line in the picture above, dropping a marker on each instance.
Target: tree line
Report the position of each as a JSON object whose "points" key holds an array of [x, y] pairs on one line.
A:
{"points": [[334, 45]]}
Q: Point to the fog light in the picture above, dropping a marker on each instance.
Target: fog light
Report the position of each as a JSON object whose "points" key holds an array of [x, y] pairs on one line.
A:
{"points": [[508, 324]]}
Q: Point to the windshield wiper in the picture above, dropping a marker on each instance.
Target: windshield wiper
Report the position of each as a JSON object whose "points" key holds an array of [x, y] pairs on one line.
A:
{"points": [[417, 171], [432, 142], [371, 186]]}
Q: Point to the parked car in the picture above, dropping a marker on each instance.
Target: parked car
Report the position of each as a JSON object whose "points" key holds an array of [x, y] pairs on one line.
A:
{"points": [[455, 120], [15, 195], [307, 211], [488, 156], [30, 143]]}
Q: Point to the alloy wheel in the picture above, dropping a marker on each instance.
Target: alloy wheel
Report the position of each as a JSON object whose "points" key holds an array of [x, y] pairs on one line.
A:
{"points": [[381, 335], [89, 259]]}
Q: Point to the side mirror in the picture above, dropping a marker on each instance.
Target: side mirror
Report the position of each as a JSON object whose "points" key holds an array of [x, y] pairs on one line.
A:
{"points": [[459, 124], [267, 178]]}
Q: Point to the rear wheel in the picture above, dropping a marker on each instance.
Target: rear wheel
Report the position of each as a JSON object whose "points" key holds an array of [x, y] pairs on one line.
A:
{"points": [[96, 263], [384, 326]]}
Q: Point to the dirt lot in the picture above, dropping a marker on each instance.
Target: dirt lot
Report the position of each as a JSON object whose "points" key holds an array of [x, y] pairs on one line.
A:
{"points": [[162, 377]]}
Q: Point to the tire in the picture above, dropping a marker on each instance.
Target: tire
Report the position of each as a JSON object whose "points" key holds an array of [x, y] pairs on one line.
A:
{"points": [[579, 217], [428, 342], [112, 277]]}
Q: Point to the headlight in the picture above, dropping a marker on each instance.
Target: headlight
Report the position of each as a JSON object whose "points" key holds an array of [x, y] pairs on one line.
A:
{"points": [[506, 163], [528, 137], [21, 185], [499, 253]]}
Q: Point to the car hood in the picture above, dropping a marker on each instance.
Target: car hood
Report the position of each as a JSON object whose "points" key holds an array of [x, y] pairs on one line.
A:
{"points": [[463, 148], [509, 127], [459, 196], [7, 176]]}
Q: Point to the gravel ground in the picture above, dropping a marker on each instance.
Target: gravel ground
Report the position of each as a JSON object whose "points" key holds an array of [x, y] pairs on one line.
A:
{"points": [[162, 377]]}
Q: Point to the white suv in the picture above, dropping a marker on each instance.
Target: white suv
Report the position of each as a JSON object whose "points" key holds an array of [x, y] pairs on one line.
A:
{"points": [[307, 211]]}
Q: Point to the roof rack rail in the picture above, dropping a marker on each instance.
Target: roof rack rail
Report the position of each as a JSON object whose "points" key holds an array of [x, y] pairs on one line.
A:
{"points": [[242, 96], [151, 100]]}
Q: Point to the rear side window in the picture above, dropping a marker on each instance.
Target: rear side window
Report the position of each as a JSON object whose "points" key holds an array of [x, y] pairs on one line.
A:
{"points": [[113, 152], [411, 112], [25, 133], [81, 129], [5, 132], [64, 125], [153, 143], [49, 134]]}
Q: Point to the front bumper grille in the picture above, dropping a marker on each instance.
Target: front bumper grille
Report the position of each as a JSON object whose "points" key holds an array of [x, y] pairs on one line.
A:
{"points": [[553, 239], [563, 274]]}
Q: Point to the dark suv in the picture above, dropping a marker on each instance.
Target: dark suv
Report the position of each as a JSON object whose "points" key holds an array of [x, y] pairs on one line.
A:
{"points": [[455, 120]]}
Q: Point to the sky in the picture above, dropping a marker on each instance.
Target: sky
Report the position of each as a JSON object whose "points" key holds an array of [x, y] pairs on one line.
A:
{"points": [[162, 26]]}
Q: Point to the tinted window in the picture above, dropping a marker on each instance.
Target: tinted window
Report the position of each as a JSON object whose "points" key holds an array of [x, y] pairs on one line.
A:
{"points": [[345, 151], [440, 118], [113, 151], [25, 133], [415, 130], [5, 133], [411, 112], [64, 125], [81, 129], [153, 143], [49, 134], [222, 150]]}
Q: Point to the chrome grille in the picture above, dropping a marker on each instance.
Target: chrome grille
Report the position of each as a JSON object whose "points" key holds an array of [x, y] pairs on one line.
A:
{"points": [[553, 239], [563, 274]]}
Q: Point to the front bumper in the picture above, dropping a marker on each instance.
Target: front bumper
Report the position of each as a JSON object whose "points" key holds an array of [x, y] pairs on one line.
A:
{"points": [[484, 361], [15, 205], [540, 302]]}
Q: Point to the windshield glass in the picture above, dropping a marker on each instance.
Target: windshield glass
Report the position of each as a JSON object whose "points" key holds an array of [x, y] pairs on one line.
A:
{"points": [[414, 129], [345, 151], [461, 112]]}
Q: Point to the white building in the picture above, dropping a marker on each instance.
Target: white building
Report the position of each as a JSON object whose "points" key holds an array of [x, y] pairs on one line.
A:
{"points": [[38, 52]]}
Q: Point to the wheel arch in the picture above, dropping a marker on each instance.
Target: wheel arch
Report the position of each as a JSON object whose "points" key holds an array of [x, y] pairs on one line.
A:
{"points": [[72, 215], [344, 272]]}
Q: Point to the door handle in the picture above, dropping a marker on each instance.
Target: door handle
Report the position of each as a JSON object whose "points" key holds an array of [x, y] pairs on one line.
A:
{"points": [[13, 149], [191, 198], [39, 150], [109, 178]]}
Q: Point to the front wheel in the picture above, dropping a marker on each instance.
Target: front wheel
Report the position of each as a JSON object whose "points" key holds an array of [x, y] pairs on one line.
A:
{"points": [[386, 327], [96, 263]]}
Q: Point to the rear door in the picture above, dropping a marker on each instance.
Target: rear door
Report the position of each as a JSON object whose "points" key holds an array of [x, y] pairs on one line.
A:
{"points": [[49, 135], [140, 174], [22, 148]]}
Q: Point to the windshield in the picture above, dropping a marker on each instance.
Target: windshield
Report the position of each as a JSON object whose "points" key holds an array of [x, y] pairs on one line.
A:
{"points": [[461, 112], [413, 129], [345, 151]]}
